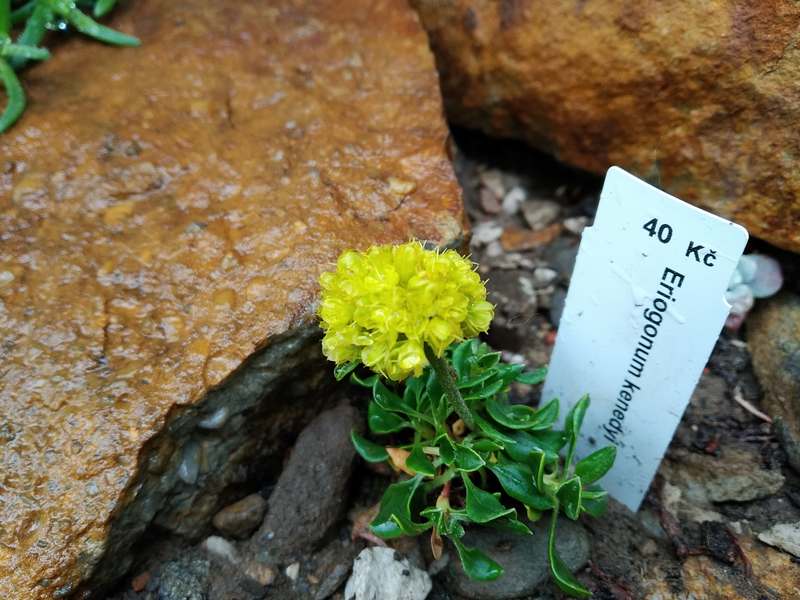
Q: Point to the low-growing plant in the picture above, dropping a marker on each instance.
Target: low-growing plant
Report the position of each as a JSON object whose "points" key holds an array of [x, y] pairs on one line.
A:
{"points": [[34, 18], [440, 410]]}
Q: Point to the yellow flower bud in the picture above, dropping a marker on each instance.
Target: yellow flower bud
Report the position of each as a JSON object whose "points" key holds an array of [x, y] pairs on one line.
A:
{"points": [[383, 306]]}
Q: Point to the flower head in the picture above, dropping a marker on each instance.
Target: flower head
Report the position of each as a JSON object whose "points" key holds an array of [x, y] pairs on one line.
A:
{"points": [[383, 306]]}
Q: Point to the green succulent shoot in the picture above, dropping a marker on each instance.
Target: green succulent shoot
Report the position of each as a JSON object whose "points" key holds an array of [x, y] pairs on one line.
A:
{"points": [[32, 19], [440, 412]]}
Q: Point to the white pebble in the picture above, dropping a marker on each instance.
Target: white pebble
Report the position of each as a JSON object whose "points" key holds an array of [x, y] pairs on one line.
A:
{"points": [[216, 419], [190, 465], [486, 233], [219, 546], [513, 200], [292, 571], [378, 575]]}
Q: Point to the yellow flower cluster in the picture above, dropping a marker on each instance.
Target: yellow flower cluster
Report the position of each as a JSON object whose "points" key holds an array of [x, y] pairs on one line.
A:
{"points": [[382, 306]]}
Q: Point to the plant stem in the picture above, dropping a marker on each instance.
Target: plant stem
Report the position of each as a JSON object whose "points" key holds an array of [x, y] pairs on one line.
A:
{"points": [[447, 379]]}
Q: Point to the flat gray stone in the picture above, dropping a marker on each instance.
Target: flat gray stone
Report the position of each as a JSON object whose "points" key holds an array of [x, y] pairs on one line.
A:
{"points": [[523, 558]]}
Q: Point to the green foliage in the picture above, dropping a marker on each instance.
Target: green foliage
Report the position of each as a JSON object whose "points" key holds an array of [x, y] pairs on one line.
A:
{"points": [[507, 465], [33, 18]]}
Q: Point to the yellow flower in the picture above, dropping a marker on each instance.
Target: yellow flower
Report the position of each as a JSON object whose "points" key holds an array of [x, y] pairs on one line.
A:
{"points": [[383, 306]]}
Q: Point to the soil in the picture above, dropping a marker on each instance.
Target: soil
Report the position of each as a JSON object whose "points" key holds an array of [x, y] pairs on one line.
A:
{"points": [[633, 555]]}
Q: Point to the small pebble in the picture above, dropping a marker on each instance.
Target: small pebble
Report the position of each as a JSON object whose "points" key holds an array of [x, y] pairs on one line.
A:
{"points": [[489, 202], [293, 570], [239, 520], [513, 200], [493, 181], [540, 213], [544, 276], [140, 582], [221, 548], [259, 572], [486, 232], [576, 225]]}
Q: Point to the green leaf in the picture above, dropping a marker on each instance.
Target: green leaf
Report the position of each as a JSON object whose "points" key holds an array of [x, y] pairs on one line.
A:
{"points": [[476, 564], [382, 421], [33, 32], [413, 393], [517, 481], [369, 382], [24, 52], [486, 445], [461, 355], [387, 399], [481, 506], [369, 451], [488, 359], [520, 416], [487, 391], [510, 524], [561, 573], [103, 7], [492, 432], [419, 463], [549, 442], [574, 419], [597, 464], [5, 18], [15, 93], [538, 460], [447, 451], [594, 502], [572, 426], [467, 459], [569, 495], [473, 381], [88, 26], [533, 377], [513, 416], [343, 370], [394, 516], [22, 13], [546, 415]]}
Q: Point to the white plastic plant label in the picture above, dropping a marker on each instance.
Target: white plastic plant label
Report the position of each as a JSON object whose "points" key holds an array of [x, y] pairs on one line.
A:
{"points": [[644, 309]]}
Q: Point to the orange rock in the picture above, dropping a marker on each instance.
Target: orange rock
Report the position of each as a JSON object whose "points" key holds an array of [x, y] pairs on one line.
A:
{"points": [[165, 213], [515, 239], [701, 98]]}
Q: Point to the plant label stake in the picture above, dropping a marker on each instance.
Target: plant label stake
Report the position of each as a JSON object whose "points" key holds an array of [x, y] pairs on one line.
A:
{"points": [[644, 309]]}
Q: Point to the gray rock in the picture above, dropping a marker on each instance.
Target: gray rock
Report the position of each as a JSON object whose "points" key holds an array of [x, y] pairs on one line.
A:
{"points": [[239, 520], [523, 558], [791, 445], [311, 492], [785, 536], [186, 578], [735, 475], [773, 331], [380, 574]]}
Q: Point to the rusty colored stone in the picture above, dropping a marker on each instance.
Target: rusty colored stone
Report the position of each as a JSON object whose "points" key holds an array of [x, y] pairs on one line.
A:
{"points": [[516, 239], [767, 573], [701, 98], [165, 212]]}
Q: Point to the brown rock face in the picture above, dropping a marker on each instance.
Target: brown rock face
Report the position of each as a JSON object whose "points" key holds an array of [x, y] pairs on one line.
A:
{"points": [[701, 98], [164, 215]]}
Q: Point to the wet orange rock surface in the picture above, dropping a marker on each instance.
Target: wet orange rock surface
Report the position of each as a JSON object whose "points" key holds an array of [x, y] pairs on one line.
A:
{"points": [[700, 98], [165, 211]]}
